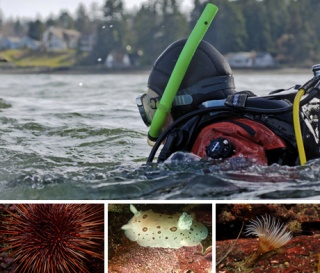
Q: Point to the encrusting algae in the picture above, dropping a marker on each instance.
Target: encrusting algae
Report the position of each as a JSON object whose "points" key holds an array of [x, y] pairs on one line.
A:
{"points": [[272, 235]]}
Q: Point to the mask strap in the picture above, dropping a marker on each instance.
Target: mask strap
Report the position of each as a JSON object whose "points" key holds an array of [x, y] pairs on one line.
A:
{"points": [[184, 96]]}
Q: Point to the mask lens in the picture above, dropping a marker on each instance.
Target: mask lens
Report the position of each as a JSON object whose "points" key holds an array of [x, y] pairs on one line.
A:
{"points": [[147, 107]]}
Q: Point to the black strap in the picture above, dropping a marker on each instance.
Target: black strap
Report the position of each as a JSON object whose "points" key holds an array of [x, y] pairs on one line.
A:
{"points": [[237, 100], [246, 127], [206, 86]]}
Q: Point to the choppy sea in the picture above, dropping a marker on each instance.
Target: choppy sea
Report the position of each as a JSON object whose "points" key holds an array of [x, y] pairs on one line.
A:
{"points": [[81, 137]]}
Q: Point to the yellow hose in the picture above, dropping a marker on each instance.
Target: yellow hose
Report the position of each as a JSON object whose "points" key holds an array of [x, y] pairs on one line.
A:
{"points": [[297, 127]]}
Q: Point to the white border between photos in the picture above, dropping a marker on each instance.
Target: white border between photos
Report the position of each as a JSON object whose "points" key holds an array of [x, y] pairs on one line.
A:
{"points": [[206, 201]]}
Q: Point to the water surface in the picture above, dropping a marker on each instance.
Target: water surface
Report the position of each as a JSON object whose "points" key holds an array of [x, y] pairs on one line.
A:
{"points": [[81, 137]]}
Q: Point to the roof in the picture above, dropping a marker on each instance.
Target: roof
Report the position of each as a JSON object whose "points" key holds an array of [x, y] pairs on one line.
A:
{"points": [[61, 32]]}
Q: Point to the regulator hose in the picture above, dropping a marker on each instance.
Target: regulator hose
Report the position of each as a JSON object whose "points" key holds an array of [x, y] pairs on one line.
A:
{"points": [[314, 82]]}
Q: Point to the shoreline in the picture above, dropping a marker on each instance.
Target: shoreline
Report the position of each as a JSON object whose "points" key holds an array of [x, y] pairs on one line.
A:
{"points": [[134, 70], [276, 70], [69, 70]]}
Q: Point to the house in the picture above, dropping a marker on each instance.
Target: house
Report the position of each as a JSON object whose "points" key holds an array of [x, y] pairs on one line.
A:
{"points": [[87, 42], [264, 59], [29, 43], [55, 39], [250, 60], [117, 59], [19, 43], [9, 43]]}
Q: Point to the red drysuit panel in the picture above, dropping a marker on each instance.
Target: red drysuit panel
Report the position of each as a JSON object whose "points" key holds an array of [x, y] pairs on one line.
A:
{"points": [[251, 146]]}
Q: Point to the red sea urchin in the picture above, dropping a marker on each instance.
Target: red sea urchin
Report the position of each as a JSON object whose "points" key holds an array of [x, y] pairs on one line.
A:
{"points": [[53, 238]]}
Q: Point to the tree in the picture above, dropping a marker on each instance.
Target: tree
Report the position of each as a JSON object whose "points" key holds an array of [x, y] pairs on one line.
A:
{"points": [[144, 29], [1, 19], [157, 24], [111, 30], [36, 28], [82, 22], [302, 47], [65, 20], [227, 31], [50, 22], [174, 24], [19, 28]]}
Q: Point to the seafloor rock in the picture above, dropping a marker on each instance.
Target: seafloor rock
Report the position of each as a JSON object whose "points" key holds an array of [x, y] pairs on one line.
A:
{"points": [[245, 212], [299, 218], [132, 258], [301, 254]]}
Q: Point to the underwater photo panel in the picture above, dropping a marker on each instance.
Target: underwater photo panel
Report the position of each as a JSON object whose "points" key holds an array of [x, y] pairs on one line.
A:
{"points": [[52, 238], [159, 238], [267, 237]]}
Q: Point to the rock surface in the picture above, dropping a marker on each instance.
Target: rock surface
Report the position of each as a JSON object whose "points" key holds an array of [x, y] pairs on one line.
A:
{"points": [[300, 254]]}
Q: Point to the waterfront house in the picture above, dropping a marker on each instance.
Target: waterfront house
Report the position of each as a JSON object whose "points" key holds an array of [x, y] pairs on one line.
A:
{"points": [[117, 59], [55, 39], [250, 60], [19, 43]]}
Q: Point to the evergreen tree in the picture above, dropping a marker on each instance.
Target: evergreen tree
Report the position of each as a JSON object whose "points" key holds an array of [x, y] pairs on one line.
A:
{"points": [[65, 20], [301, 47], [51, 21], [19, 29], [157, 24], [174, 24], [144, 29], [227, 31], [82, 21], [36, 28], [1, 19], [110, 31], [257, 25]]}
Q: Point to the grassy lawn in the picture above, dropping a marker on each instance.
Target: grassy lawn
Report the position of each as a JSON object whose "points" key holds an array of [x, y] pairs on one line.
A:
{"points": [[24, 58]]}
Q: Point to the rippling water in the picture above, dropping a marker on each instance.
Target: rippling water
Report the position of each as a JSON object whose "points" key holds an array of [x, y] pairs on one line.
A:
{"points": [[81, 137]]}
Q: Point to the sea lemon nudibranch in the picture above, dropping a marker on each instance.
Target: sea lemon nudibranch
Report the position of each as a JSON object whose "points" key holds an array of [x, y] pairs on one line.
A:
{"points": [[152, 229], [271, 234]]}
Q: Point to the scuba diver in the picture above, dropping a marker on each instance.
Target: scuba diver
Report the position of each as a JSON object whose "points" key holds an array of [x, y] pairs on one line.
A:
{"points": [[210, 119]]}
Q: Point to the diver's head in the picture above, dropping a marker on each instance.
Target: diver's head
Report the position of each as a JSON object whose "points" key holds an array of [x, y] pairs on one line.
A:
{"points": [[208, 77]]}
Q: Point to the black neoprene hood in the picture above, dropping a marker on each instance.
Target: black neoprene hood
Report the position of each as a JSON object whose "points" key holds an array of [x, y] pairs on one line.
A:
{"points": [[207, 63]]}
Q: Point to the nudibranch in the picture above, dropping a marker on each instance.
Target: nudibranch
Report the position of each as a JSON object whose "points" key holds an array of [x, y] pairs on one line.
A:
{"points": [[152, 229]]}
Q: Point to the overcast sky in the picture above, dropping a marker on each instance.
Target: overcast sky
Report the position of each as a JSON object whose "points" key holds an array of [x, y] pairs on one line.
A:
{"points": [[34, 8]]}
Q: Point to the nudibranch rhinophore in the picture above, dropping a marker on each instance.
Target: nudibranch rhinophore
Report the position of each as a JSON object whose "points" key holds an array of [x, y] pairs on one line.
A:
{"points": [[161, 230]]}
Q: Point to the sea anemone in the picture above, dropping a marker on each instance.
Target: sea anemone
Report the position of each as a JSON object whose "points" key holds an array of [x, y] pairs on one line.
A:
{"points": [[53, 238], [271, 234]]}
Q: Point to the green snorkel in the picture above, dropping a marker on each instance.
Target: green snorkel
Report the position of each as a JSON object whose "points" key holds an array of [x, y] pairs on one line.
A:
{"points": [[177, 75]]}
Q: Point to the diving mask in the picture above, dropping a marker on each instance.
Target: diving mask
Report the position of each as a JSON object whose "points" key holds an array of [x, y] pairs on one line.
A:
{"points": [[147, 105]]}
